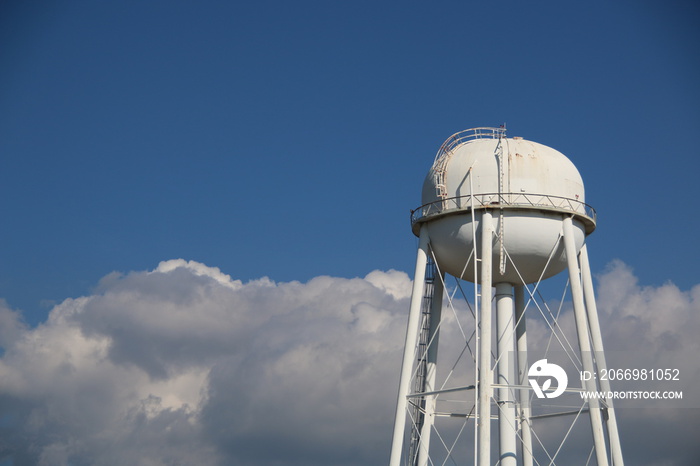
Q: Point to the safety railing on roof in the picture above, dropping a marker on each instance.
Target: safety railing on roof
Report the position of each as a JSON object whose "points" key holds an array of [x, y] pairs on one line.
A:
{"points": [[462, 137], [503, 200]]}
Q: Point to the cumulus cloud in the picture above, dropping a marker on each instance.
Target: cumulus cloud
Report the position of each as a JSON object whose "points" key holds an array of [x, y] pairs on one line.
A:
{"points": [[184, 365], [654, 326]]}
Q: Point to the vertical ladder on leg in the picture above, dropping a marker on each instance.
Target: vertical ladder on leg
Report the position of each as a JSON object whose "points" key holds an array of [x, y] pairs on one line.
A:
{"points": [[418, 404]]}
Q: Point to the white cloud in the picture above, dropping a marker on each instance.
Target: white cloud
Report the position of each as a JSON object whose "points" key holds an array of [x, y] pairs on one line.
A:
{"points": [[184, 362], [11, 325], [664, 317], [184, 365]]}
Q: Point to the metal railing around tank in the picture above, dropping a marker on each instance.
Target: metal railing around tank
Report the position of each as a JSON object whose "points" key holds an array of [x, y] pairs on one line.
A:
{"points": [[503, 200], [467, 135]]}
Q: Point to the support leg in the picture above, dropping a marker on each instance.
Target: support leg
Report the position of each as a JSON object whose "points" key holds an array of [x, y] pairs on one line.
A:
{"points": [[584, 340], [409, 348], [521, 346], [507, 434], [597, 340], [484, 369]]}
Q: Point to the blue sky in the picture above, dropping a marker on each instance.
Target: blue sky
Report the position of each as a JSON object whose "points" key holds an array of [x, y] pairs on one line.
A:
{"points": [[290, 140]]}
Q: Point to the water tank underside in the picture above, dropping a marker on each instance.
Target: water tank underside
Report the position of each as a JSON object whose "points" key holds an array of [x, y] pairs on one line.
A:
{"points": [[532, 246]]}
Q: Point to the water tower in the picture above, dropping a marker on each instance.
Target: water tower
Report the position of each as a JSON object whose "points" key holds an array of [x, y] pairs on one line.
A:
{"points": [[504, 214]]}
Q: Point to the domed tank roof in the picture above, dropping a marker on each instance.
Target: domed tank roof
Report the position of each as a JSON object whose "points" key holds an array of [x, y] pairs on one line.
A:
{"points": [[506, 166], [529, 188], [508, 172]]}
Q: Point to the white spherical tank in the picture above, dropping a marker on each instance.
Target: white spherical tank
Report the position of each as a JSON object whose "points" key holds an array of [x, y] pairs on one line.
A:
{"points": [[527, 187]]}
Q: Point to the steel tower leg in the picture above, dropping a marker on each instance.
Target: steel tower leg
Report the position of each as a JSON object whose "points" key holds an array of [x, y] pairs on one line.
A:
{"points": [[584, 340], [597, 340], [431, 369], [414, 314], [484, 369], [521, 347], [507, 434]]}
